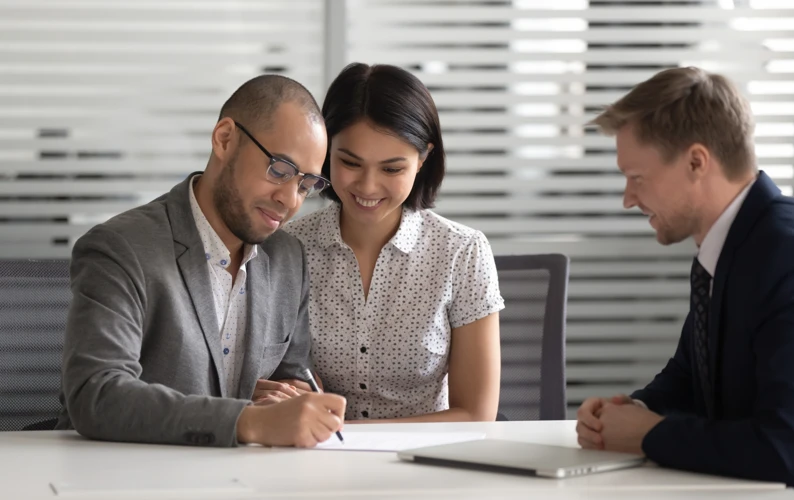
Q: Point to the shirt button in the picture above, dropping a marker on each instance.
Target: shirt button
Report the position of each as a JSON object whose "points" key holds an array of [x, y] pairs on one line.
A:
{"points": [[363, 386], [365, 414], [225, 350], [363, 350]]}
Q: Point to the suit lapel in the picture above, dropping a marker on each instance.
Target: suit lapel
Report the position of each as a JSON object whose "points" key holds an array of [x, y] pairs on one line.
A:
{"points": [[192, 264], [758, 198], [257, 290]]}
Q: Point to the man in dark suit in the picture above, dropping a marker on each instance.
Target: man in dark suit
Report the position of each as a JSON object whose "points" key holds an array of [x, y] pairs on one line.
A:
{"points": [[184, 308], [724, 404]]}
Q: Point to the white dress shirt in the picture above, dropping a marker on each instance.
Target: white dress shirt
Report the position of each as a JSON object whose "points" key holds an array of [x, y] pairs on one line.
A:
{"points": [[231, 301], [711, 246], [388, 353]]}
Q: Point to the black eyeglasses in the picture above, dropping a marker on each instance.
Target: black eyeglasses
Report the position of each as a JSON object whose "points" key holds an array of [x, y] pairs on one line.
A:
{"points": [[280, 171]]}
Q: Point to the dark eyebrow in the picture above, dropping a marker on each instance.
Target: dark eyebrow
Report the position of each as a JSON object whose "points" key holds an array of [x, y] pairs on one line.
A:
{"points": [[350, 153], [390, 160]]}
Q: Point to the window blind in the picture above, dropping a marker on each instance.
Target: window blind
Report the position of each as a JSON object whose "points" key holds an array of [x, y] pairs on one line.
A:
{"points": [[516, 81]]}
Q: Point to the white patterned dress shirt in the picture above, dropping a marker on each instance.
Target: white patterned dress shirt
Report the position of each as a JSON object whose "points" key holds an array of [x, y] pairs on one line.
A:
{"points": [[231, 301]]}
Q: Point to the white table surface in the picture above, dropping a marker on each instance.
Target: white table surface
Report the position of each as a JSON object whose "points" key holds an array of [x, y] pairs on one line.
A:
{"points": [[31, 461]]}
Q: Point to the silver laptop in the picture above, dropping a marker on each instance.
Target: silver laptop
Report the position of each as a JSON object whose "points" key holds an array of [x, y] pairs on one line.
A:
{"points": [[524, 458]]}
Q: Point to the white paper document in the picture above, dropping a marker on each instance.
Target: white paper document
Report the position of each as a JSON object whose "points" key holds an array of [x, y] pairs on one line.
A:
{"points": [[395, 441]]}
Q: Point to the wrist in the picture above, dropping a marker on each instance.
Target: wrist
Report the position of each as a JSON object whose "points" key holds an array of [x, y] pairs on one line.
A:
{"points": [[246, 428]]}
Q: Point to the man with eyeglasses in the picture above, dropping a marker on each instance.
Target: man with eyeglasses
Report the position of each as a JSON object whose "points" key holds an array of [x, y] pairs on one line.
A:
{"points": [[189, 322]]}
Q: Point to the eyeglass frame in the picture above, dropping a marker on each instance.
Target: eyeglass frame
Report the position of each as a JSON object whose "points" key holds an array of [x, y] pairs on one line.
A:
{"points": [[275, 159]]}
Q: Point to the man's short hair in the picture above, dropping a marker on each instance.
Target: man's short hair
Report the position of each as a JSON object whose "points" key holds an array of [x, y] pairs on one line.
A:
{"points": [[255, 102], [682, 106]]}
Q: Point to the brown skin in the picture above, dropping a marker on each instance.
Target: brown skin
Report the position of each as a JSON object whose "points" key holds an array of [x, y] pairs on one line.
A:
{"points": [[234, 194], [244, 208], [683, 198]]}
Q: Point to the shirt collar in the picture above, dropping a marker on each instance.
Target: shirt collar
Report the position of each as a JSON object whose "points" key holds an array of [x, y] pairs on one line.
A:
{"points": [[404, 240], [407, 235], [329, 233], [711, 247], [214, 248]]}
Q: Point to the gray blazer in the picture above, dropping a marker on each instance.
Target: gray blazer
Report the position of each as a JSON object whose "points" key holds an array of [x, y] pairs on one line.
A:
{"points": [[142, 357]]}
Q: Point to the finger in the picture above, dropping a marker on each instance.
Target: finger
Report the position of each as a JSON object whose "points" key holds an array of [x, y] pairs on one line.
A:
{"points": [[330, 422], [621, 399], [333, 403], [265, 384], [299, 385], [272, 385], [277, 394], [307, 439], [589, 407], [590, 420], [588, 434], [270, 399]]}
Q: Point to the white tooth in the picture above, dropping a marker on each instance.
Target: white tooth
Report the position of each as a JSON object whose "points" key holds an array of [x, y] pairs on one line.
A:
{"points": [[367, 203]]}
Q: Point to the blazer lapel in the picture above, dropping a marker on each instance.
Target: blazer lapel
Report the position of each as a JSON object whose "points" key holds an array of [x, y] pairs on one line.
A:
{"points": [[758, 198], [192, 264], [257, 290]]}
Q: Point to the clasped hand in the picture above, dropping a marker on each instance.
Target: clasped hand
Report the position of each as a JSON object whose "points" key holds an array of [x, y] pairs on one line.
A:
{"points": [[616, 424]]}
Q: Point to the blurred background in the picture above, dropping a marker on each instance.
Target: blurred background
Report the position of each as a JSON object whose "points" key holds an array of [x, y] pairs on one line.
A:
{"points": [[106, 104]]}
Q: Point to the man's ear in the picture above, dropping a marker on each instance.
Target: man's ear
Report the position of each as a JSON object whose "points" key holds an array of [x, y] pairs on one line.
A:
{"points": [[699, 160], [224, 138]]}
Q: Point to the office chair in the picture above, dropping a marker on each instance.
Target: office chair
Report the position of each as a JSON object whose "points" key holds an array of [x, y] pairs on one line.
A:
{"points": [[532, 328], [34, 302]]}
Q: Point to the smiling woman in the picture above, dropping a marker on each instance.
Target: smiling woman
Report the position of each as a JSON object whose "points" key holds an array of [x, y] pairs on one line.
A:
{"points": [[403, 303]]}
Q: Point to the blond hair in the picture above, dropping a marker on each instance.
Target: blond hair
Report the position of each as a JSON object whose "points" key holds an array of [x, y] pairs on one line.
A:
{"points": [[679, 107]]}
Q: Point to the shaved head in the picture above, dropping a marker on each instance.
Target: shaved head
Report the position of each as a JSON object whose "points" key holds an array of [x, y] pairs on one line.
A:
{"points": [[256, 101]]}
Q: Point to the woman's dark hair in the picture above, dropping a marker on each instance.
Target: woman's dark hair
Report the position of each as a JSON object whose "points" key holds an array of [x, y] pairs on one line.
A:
{"points": [[397, 102]]}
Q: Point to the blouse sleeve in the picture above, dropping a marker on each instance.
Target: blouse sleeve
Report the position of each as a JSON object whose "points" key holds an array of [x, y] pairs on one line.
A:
{"points": [[475, 292]]}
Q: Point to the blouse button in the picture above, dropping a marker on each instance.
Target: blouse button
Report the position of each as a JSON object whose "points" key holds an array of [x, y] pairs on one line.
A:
{"points": [[365, 414], [363, 386], [363, 350]]}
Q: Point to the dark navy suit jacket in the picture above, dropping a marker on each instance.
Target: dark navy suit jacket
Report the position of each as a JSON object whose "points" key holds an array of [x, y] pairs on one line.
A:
{"points": [[750, 432]]}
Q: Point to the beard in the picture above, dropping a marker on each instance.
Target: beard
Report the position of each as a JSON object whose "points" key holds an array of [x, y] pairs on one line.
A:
{"points": [[677, 228], [231, 208]]}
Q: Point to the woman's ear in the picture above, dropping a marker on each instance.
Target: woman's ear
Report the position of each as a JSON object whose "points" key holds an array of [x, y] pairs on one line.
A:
{"points": [[424, 155]]}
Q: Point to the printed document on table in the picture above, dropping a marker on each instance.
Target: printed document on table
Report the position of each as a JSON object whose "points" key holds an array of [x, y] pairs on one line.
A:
{"points": [[395, 441]]}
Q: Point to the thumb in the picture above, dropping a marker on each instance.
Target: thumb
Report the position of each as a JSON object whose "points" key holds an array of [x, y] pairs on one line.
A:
{"points": [[621, 399]]}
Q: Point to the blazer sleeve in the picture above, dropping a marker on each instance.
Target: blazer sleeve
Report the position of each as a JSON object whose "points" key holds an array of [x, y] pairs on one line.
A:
{"points": [[104, 395], [298, 352], [760, 447], [671, 391]]}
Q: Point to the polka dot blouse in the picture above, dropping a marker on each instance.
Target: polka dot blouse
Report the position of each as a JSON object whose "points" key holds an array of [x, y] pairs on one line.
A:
{"points": [[388, 353]]}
